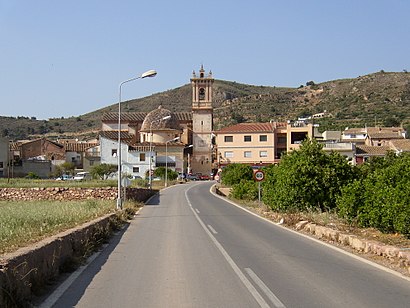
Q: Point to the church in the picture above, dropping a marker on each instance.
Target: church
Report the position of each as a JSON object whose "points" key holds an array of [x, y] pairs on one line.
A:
{"points": [[182, 141]]}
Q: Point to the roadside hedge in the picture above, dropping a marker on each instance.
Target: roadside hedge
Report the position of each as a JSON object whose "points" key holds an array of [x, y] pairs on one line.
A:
{"points": [[380, 199], [375, 194]]}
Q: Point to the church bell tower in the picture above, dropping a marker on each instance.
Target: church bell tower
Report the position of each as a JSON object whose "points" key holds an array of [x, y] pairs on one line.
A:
{"points": [[202, 122]]}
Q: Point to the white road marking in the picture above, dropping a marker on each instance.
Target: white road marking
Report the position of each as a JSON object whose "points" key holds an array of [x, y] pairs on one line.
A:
{"points": [[55, 296], [235, 268], [265, 289], [385, 269], [212, 229], [197, 211]]}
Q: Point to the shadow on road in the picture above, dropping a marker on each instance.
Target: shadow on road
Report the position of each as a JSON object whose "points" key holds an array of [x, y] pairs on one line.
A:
{"points": [[73, 294]]}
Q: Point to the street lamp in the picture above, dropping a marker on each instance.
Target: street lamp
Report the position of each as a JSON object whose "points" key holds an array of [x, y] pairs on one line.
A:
{"points": [[150, 73], [150, 148], [188, 162], [166, 159]]}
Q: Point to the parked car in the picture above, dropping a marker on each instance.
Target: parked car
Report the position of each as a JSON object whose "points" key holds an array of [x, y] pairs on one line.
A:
{"points": [[204, 177], [192, 177], [65, 177], [81, 176]]}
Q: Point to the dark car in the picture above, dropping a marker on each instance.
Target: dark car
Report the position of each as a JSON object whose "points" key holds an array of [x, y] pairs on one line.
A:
{"points": [[192, 177]]}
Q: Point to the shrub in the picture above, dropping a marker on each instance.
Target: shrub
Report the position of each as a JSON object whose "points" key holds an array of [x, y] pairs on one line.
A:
{"points": [[245, 190], [307, 178], [381, 199], [234, 173]]}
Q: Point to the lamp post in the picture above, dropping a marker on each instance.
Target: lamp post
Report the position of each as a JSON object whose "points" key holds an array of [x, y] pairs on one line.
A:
{"points": [[166, 159], [150, 148], [188, 164], [150, 73]]}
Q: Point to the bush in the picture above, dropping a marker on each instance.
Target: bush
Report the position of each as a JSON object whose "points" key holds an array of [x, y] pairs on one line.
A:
{"points": [[245, 190], [234, 173], [32, 175], [381, 199], [306, 179]]}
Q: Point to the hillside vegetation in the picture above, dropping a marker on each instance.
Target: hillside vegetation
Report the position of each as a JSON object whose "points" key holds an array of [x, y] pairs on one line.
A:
{"points": [[381, 98]]}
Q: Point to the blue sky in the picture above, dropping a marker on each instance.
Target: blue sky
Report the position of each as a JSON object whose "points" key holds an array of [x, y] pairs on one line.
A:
{"points": [[67, 58]]}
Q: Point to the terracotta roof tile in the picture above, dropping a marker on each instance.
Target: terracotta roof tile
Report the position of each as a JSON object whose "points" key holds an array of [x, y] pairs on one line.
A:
{"points": [[250, 127], [362, 150], [113, 135], [140, 116], [401, 144], [385, 135], [79, 146]]}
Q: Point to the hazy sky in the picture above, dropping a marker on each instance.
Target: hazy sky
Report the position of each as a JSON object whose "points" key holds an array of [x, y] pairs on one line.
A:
{"points": [[67, 58]]}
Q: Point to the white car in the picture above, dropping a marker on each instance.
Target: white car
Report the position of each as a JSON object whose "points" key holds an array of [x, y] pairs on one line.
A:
{"points": [[80, 176]]}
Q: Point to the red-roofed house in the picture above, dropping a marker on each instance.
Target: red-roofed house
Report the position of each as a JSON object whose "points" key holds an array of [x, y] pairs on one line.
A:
{"points": [[258, 143]]}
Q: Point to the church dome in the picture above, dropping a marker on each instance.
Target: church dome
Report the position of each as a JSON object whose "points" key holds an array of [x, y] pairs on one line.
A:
{"points": [[155, 120]]}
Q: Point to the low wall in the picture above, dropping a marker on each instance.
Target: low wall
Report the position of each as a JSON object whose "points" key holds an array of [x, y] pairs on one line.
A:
{"points": [[71, 193], [24, 273]]}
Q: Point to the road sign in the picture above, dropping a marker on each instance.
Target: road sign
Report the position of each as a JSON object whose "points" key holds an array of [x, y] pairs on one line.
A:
{"points": [[259, 176]]}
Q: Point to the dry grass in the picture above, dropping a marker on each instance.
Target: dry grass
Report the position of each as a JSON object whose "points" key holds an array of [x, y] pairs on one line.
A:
{"points": [[25, 222]]}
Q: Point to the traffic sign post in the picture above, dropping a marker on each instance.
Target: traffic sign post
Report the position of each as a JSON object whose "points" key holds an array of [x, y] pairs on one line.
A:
{"points": [[259, 176]]}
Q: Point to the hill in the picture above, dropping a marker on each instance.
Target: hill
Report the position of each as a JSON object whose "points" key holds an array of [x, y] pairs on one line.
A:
{"points": [[381, 98]]}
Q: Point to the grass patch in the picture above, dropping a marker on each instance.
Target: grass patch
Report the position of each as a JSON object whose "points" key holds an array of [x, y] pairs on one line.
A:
{"points": [[26, 222]]}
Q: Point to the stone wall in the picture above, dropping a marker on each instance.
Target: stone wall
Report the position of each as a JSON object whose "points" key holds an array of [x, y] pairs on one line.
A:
{"points": [[71, 193], [25, 272]]}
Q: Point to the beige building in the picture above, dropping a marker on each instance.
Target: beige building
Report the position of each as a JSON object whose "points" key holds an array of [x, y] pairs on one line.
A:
{"points": [[258, 143]]}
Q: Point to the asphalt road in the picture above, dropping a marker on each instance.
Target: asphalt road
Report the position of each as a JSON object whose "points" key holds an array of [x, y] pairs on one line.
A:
{"points": [[189, 248]]}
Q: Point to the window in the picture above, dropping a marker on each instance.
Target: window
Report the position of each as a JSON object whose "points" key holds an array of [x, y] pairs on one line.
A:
{"points": [[228, 154], [114, 152], [135, 169], [247, 138], [263, 138], [282, 139], [1, 164], [91, 163], [263, 153], [247, 154], [228, 138], [142, 156]]}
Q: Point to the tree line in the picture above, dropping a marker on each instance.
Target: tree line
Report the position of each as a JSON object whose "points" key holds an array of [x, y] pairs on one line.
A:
{"points": [[375, 194]]}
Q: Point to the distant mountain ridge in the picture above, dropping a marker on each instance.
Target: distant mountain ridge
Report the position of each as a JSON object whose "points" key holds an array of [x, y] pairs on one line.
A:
{"points": [[381, 98]]}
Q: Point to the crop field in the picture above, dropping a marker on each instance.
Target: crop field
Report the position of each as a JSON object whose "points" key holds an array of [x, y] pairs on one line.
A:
{"points": [[25, 222]]}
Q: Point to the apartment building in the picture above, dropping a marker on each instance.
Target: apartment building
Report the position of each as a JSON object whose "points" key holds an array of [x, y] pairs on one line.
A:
{"points": [[258, 143]]}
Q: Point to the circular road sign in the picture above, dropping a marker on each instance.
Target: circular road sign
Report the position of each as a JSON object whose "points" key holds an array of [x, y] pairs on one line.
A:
{"points": [[259, 175]]}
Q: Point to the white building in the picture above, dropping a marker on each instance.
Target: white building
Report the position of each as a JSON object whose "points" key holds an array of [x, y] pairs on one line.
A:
{"points": [[134, 160]]}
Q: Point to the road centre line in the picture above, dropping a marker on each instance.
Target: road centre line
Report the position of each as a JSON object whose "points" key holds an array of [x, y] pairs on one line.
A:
{"points": [[272, 297], [212, 229], [238, 272]]}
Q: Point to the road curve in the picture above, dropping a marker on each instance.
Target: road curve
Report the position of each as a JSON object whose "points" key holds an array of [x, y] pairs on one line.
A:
{"points": [[189, 248]]}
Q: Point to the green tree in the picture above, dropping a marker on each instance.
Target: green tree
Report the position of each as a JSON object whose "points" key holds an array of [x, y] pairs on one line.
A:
{"points": [[381, 199], [306, 178], [67, 168], [102, 171], [160, 172], [234, 173]]}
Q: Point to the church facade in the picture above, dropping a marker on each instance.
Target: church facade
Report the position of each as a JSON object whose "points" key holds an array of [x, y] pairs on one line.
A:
{"points": [[182, 141]]}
